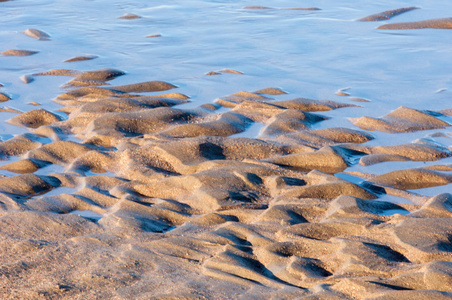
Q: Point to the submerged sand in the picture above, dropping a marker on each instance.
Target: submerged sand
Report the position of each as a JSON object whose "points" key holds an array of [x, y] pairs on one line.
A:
{"points": [[134, 196]]}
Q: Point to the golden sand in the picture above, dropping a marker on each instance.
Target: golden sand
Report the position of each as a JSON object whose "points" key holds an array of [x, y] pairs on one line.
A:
{"points": [[193, 212]]}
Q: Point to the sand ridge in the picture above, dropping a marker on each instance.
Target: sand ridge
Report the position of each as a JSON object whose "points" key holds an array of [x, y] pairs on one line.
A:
{"points": [[387, 14], [151, 188]]}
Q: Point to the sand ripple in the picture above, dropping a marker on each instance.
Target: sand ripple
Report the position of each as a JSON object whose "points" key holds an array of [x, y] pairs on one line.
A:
{"points": [[157, 201]]}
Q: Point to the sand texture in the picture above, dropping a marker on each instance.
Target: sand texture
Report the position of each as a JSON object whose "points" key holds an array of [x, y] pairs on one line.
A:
{"points": [[4, 97], [387, 14], [160, 202], [443, 23], [16, 52], [246, 152]]}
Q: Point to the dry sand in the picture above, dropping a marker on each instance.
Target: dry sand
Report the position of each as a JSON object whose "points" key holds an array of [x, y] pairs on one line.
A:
{"points": [[156, 201]]}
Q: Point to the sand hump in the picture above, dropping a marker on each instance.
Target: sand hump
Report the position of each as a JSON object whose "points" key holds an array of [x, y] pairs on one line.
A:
{"points": [[98, 77], [81, 58], [149, 86], [402, 119], [15, 52], [4, 97], [35, 118], [444, 23], [386, 15], [37, 34], [153, 200]]}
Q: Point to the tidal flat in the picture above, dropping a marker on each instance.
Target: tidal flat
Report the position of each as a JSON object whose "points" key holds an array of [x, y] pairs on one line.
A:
{"points": [[220, 150]]}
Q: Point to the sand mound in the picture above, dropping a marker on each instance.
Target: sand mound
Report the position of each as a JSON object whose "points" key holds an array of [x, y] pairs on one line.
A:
{"points": [[185, 156], [227, 124], [34, 118], [443, 23], [97, 77], [15, 52], [420, 247], [23, 166], [412, 179], [403, 119], [117, 104], [27, 185], [327, 159], [94, 92], [4, 97], [18, 145], [271, 91], [130, 16], [149, 86], [58, 152], [416, 151], [326, 137], [386, 15], [256, 7], [59, 72], [439, 206], [135, 123], [257, 111], [373, 159], [239, 97], [290, 120], [37, 34], [346, 206], [311, 105], [81, 58]]}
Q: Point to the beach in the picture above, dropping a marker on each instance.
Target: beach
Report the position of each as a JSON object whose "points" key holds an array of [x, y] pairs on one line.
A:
{"points": [[218, 150]]}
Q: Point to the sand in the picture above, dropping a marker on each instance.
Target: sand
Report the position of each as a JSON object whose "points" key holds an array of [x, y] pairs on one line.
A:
{"points": [[124, 192], [387, 14], [164, 203], [442, 23]]}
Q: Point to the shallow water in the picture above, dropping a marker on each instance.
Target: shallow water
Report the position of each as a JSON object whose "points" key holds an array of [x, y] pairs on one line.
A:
{"points": [[311, 54]]}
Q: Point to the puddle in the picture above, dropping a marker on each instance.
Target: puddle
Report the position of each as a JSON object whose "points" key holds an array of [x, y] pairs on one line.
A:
{"points": [[252, 131], [350, 178], [391, 212], [389, 166], [56, 191], [87, 214], [381, 197], [107, 173], [49, 169], [394, 199], [433, 191]]}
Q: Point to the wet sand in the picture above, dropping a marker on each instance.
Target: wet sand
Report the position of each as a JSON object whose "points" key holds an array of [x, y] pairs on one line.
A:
{"points": [[164, 202], [125, 192]]}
